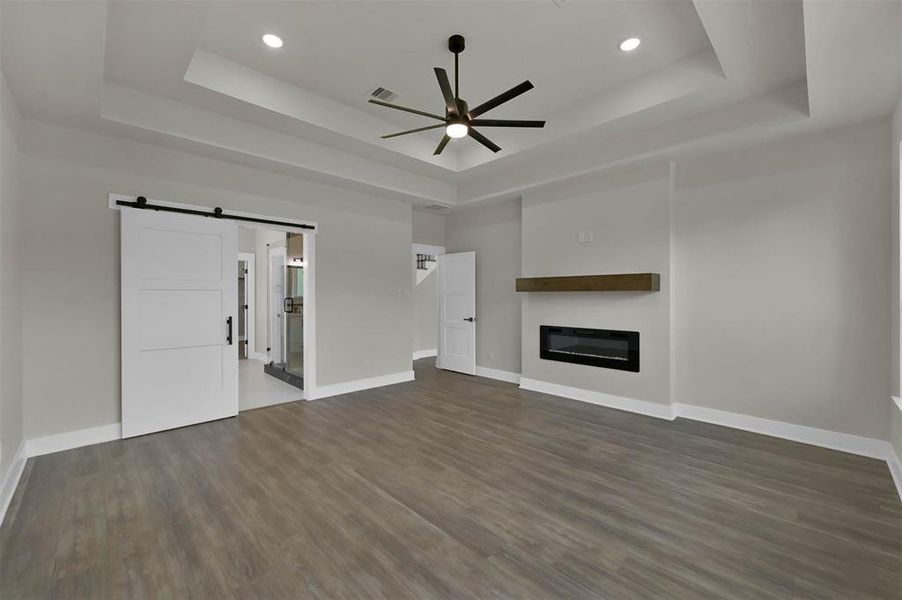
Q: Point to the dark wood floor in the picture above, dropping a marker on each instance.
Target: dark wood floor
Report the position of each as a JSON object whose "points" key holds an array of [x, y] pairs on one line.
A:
{"points": [[452, 487]]}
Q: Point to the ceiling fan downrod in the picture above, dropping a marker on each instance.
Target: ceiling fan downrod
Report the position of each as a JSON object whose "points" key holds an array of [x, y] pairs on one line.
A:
{"points": [[456, 44]]}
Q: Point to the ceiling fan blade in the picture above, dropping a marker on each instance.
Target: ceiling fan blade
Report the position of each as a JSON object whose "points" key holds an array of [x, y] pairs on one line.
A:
{"points": [[505, 123], [419, 129], [441, 145], [500, 99], [447, 94], [410, 110], [483, 140]]}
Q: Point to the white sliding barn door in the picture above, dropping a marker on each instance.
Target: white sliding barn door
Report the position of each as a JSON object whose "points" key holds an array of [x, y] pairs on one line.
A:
{"points": [[179, 298], [457, 312]]}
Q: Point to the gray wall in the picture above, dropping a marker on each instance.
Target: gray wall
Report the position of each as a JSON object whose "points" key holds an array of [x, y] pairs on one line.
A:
{"points": [[494, 233], [780, 302], [70, 265], [428, 227], [11, 420], [628, 216], [247, 238], [782, 262], [896, 303]]}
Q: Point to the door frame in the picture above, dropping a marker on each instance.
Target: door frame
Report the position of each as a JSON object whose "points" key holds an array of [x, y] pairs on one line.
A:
{"points": [[309, 229], [250, 296], [441, 259]]}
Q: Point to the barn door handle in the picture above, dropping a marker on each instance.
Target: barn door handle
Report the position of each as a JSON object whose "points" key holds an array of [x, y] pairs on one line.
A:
{"points": [[229, 337]]}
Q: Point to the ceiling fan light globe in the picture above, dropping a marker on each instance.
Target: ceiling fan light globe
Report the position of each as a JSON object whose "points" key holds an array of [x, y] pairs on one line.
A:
{"points": [[457, 130]]}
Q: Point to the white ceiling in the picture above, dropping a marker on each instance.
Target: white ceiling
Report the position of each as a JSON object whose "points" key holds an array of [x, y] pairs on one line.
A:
{"points": [[570, 54], [195, 74]]}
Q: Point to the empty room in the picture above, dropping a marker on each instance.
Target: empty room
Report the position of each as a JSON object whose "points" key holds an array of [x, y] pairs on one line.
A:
{"points": [[526, 299]]}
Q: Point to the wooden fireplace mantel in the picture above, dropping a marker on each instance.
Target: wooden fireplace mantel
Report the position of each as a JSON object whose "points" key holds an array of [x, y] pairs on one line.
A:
{"points": [[621, 282]]}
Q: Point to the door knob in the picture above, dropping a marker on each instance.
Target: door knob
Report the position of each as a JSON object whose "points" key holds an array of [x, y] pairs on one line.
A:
{"points": [[470, 319]]}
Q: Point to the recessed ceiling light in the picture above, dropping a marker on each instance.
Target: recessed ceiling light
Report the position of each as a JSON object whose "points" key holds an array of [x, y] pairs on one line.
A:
{"points": [[457, 130], [630, 44], [273, 41]]}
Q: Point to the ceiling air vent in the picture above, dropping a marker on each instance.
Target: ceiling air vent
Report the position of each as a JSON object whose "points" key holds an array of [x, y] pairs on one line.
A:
{"points": [[435, 207], [383, 94]]}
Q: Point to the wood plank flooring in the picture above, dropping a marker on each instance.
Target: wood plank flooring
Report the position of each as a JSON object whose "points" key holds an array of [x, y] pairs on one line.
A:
{"points": [[452, 487]]}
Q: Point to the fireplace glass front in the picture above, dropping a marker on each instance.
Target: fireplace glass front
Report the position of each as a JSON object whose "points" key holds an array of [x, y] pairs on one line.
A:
{"points": [[609, 348]]}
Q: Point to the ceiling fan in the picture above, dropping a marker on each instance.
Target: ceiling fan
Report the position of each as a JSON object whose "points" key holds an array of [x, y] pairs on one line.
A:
{"points": [[459, 120]]}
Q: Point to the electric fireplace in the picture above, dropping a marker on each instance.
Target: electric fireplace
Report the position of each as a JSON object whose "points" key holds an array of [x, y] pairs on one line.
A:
{"points": [[608, 348]]}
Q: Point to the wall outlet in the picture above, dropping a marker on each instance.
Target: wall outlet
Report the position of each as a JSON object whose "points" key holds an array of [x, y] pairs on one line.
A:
{"points": [[584, 237], [491, 355]]}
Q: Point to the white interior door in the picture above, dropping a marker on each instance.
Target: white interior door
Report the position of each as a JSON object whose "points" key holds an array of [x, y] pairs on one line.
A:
{"points": [[276, 304], [457, 312], [179, 321]]}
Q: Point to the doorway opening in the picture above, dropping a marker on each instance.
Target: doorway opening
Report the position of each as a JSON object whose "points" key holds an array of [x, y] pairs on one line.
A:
{"points": [[274, 372], [425, 301], [287, 275]]}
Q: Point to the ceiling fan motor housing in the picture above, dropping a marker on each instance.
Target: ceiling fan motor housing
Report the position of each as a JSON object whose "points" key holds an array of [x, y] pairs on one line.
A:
{"points": [[456, 43], [462, 109], [459, 121]]}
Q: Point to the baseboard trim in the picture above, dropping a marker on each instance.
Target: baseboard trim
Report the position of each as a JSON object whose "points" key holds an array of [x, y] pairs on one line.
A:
{"points": [[347, 387], [418, 354], [834, 440], [10, 480], [895, 470], [508, 376], [642, 407], [73, 439], [894, 462]]}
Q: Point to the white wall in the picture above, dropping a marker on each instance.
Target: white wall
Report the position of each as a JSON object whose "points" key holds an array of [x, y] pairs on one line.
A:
{"points": [[628, 216], [494, 233], [263, 239], [71, 265], [425, 308], [11, 419], [782, 262]]}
